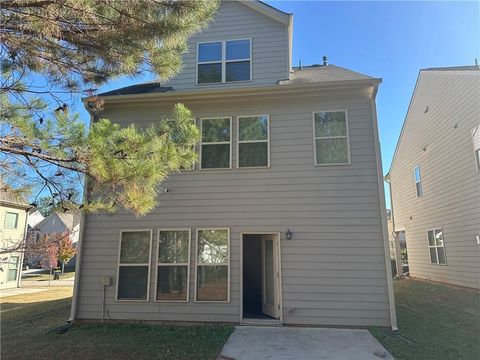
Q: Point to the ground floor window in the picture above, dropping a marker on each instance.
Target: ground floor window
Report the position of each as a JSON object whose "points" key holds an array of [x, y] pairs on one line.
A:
{"points": [[212, 271], [134, 265], [173, 265], [13, 266], [436, 246]]}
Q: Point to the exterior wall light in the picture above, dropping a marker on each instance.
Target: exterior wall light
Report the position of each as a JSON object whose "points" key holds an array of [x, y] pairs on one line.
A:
{"points": [[289, 234]]}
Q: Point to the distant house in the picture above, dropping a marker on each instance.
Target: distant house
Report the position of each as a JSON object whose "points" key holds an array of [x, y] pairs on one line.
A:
{"points": [[281, 221], [13, 222], [435, 177], [58, 222]]}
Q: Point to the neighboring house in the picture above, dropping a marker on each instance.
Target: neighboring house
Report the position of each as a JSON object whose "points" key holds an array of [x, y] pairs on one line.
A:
{"points": [[282, 220], [435, 178], [34, 217], [13, 223], [58, 222]]}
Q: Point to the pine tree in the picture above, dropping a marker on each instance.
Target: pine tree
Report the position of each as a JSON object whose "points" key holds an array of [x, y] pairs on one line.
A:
{"points": [[77, 45]]}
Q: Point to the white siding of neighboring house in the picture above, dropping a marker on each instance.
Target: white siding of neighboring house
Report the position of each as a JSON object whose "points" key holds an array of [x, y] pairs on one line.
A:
{"points": [[440, 141], [333, 269], [10, 238], [237, 21]]}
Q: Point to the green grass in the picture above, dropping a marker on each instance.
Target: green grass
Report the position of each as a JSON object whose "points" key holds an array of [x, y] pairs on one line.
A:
{"points": [[44, 275], [26, 334], [435, 322]]}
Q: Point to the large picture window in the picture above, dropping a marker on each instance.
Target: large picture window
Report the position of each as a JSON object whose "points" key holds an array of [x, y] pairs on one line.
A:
{"points": [[173, 258], [224, 61], [134, 265], [216, 143], [331, 138], [213, 257], [436, 246], [253, 141]]}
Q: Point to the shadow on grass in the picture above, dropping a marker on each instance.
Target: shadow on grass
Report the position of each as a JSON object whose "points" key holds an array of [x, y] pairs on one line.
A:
{"points": [[435, 322], [36, 330]]}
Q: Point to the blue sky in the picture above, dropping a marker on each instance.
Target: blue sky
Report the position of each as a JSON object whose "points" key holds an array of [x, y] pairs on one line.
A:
{"points": [[390, 40]]}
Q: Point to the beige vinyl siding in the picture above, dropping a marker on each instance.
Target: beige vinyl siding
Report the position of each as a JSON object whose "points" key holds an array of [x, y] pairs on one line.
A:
{"points": [[269, 58], [451, 183], [333, 268]]}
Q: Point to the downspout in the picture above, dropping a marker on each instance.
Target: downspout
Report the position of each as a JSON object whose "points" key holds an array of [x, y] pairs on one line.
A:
{"points": [[398, 252], [78, 263], [383, 210], [22, 254]]}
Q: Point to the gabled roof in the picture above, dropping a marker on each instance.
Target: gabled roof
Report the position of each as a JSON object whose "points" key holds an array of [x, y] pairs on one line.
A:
{"points": [[448, 68], [268, 10], [12, 199], [69, 219]]}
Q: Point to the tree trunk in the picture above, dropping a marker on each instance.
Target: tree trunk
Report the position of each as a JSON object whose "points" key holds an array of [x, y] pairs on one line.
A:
{"points": [[50, 277], [63, 266]]}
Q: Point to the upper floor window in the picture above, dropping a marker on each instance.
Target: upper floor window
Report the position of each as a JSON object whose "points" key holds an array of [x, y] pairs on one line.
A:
{"points": [[253, 141], [476, 145], [11, 220], [215, 147], [436, 246], [418, 181], [224, 61], [331, 138]]}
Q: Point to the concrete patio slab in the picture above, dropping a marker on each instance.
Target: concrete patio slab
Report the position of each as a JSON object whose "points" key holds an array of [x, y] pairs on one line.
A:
{"points": [[295, 343]]}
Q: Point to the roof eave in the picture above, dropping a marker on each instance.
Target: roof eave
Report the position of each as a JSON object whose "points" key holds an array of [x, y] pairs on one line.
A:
{"points": [[268, 10], [241, 91]]}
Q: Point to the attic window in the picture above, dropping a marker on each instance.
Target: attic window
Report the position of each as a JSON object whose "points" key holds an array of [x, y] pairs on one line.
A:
{"points": [[224, 61]]}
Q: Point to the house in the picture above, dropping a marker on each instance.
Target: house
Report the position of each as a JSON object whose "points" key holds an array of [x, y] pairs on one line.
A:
{"points": [[13, 223], [58, 222], [283, 218], [435, 177], [34, 217]]}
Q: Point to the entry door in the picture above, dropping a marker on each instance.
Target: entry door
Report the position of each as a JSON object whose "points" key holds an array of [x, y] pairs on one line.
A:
{"points": [[270, 276]]}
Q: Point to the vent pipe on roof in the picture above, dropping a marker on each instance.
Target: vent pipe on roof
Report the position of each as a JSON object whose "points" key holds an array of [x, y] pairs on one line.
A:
{"points": [[325, 60]]}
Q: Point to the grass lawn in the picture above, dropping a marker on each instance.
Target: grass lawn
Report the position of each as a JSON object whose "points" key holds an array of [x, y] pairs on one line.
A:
{"points": [[44, 275], [27, 319], [437, 322]]}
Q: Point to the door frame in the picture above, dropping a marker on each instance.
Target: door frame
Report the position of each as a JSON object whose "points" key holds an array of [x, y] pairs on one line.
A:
{"points": [[280, 289]]}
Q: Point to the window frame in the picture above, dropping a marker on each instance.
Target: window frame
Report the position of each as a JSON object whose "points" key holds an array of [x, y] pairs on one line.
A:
{"points": [[157, 264], [16, 220], [223, 61], [436, 247], [476, 146], [347, 137], [252, 142], [419, 181], [134, 264], [16, 269], [200, 167], [197, 230]]}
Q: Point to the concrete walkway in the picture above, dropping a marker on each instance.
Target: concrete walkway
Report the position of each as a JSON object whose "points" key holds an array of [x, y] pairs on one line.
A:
{"points": [[295, 343], [19, 291]]}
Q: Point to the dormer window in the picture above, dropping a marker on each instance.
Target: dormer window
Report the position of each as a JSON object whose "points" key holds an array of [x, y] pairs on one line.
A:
{"points": [[224, 61]]}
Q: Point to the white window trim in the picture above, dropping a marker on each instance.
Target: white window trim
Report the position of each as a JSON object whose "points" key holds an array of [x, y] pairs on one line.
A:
{"points": [[16, 220], [436, 247], [347, 136], [216, 264], [252, 142], [215, 143], [157, 264], [135, 264], [223, 61], [419, 181]]}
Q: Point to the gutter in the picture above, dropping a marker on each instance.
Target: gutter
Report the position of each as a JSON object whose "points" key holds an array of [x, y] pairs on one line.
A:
{"points": [[383, 210], [234, 92]]}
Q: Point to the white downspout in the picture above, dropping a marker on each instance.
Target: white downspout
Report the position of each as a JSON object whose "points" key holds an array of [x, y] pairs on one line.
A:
{"points": [[383, 210]]}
